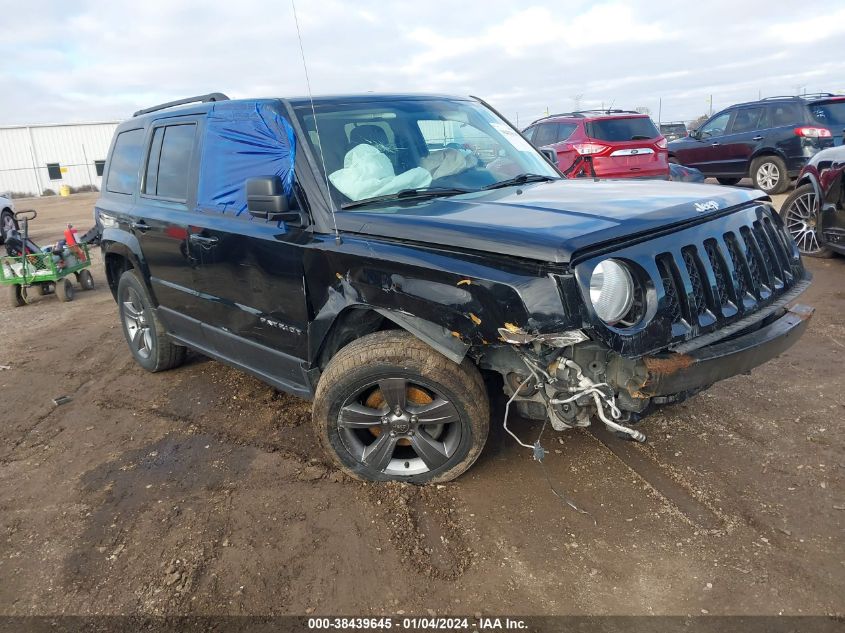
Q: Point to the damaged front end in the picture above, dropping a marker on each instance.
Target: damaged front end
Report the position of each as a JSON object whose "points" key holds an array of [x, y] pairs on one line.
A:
{"points": [[713, 304]]}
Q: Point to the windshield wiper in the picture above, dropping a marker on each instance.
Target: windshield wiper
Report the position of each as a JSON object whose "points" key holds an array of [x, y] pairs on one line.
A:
{"points": [[407, 194], [521, 179]]}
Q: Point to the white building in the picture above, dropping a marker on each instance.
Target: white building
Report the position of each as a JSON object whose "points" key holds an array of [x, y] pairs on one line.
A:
{"points": [[38, 157]]}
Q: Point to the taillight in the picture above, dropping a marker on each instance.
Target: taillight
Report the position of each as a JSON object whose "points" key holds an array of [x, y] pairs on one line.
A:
{"points": [[812, 132], [589, 148], [661, 143]]}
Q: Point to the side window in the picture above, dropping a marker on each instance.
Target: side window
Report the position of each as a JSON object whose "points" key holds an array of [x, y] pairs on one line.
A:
{"points": [[565, 130], [529, 132], [781, 114], [169, 162], [546, 134], [124, 162], [747, 120], [715, 126]]}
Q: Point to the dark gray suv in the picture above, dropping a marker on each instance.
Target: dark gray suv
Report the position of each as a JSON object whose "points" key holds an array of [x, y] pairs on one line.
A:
{"points": [[768, 140]]}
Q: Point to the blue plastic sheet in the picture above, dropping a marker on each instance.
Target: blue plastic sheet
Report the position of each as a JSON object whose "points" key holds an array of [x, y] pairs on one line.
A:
{"points": [[243, 140]]}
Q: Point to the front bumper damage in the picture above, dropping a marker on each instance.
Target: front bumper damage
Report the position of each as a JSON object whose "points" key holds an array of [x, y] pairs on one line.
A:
{"points": [[674, 373], [584, 379]]}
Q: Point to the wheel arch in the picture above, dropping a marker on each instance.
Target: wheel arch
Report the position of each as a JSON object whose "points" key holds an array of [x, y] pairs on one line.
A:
{"points": [[358, 320], [767, 151]]}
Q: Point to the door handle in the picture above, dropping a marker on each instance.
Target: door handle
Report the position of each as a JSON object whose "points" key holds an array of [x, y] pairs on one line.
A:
{"points": [[714, 144], [203, 240], [757, 138], [140, 226]]}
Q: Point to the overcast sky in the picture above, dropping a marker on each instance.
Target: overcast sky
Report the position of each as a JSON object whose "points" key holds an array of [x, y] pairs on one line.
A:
{"points": [[88, 60]]}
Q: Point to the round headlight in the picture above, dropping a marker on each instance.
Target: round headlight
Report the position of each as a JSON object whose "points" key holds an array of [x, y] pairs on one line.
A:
{"points": [[611, 291]]}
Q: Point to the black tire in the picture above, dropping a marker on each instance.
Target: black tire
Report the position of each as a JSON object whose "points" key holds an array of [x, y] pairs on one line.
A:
{"points": [[64, 290], [769, 174], [18, 295], [7, 221], [395, 364], [85, 279], [728, 181], [148, 341], [799, 217]]}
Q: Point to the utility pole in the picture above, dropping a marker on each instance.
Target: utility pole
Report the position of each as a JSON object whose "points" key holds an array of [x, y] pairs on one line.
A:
{"points": [[711, 105], [659, 111]]}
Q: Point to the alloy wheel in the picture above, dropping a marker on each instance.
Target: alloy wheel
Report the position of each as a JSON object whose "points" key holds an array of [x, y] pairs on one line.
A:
{"points": [[768, 176], [137, 324], [399, 427], [801, 223]]}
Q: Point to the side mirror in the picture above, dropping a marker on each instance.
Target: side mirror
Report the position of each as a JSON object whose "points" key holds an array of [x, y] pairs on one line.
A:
{"points": [[550, 155], [266, 199]]}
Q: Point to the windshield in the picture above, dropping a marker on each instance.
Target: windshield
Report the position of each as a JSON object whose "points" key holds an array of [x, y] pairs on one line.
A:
{"points": [[830, 113], [376, 149]]}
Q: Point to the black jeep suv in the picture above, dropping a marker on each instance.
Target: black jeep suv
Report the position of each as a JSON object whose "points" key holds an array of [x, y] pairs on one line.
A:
{"points": [[378, 254], [768, 140]]}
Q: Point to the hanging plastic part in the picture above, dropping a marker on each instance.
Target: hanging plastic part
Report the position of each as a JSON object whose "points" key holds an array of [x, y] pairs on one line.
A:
{"points": [[538, 451]]}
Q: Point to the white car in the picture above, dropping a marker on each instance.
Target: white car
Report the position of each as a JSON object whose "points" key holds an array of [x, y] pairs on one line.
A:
{"points": [[7, 216]]}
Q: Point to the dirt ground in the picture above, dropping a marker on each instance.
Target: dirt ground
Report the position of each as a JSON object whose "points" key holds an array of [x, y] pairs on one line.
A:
{"points": [[201, 491]]}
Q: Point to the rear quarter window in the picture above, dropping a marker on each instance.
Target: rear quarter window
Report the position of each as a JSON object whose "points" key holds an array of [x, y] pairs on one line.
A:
{"points": [[125, 161], [622, 129], [170, 161]]}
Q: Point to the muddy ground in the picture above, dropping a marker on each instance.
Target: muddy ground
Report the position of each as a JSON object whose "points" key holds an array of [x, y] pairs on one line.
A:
{"points": [[201, 491]]}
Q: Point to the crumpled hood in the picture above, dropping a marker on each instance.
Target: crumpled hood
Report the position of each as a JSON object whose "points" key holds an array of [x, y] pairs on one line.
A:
{"points": [[547, 221]]}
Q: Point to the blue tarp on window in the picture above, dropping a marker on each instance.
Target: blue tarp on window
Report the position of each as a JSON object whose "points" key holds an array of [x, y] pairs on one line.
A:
{"points": [[242, 140]]}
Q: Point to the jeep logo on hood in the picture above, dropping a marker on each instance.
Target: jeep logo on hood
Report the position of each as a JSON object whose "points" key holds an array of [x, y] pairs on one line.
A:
{"points": [[710, 205]]}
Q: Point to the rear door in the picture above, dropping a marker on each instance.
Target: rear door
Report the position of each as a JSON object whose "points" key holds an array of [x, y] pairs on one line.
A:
{"points": [[162, 221]]}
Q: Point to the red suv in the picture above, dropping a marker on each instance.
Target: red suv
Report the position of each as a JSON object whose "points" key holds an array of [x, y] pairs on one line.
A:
{"points": [[604, 143]]}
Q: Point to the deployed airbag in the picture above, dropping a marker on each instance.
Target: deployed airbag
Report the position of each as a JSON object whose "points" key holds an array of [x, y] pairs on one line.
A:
{"points": [[368, 173], [243, 140]]}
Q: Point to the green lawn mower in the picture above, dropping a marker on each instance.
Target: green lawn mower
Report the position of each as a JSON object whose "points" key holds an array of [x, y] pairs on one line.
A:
{"points": [[26, 266]]}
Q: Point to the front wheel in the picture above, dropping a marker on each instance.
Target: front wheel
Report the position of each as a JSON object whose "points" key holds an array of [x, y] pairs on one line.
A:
{"points": [[769, 174], [64, 290], [146, 336], [389, 407], [85, 279], [18, 295], [800, 215], [728, 181]]}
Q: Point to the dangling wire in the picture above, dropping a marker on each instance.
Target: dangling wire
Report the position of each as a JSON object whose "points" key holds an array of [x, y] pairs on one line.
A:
{"points": [[316, 125]]}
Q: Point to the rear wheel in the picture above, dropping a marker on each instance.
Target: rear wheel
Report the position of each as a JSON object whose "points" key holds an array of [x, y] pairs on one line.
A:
{"points": [[728, 181], [799, 213], [64, 289], [769, 174], [85, 279], [146, 336], [389, 407]]}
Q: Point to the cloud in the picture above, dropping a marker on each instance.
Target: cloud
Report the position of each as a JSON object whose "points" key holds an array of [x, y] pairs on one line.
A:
{"points": [[106, 60]]}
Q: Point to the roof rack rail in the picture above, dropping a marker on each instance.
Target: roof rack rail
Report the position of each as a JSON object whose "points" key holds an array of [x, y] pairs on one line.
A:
{"points": [[815, 95], [809, 95], [608, 111], [211, 96]]}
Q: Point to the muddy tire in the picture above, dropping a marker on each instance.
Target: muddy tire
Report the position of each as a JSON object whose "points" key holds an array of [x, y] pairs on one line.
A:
{"points": [[728, 181], [389, 407], [18, 295], [85, 279], [147, 339], [799, 216], [769, 174], [64, 290]]}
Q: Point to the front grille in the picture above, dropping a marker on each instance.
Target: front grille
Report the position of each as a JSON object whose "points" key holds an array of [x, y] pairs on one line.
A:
{"points": [[725, 276]]}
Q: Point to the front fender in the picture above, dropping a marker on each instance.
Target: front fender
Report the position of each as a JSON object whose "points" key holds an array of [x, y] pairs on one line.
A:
{"points": [[451, 300]]}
